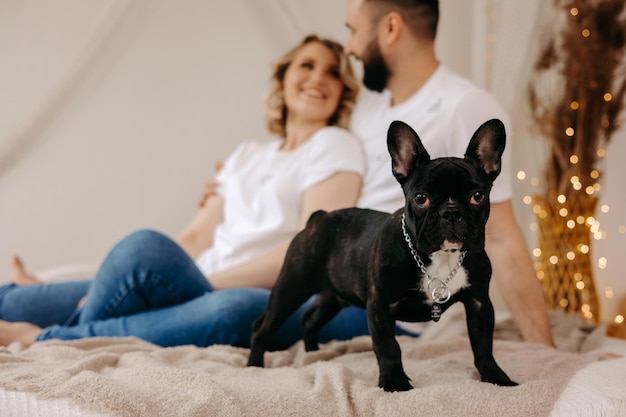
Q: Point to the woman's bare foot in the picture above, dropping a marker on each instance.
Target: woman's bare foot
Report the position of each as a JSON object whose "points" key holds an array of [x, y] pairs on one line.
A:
{"points": [[18, 331], [19, 275]]}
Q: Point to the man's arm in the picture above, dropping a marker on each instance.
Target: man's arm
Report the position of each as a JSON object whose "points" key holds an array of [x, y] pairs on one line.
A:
{"points": [[514, 272]]}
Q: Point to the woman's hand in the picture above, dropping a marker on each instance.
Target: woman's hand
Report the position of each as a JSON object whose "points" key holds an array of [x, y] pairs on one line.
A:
{"points": [[210, 187]]}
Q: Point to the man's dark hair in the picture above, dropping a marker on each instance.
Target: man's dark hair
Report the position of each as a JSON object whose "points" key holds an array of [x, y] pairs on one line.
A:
{"points": [[420, 16]]}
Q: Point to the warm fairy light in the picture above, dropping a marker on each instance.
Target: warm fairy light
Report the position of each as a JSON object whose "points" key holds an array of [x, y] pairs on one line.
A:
{"points": [[574, 105], [561, 199], [534, 182], [563, 303], [585, 308], [574, 179], [573, 11], [540, 275], [597, 187], [554, 259], [569, 131], [619, 319], [595, 227], [577, 186], [573, 159], [578, 276], [563, 212], [608, 97], [608, 292], [621, 229], [527, 200], [590, 220], [586, 33], [588, 315], [521, 175], [584, 249], [580, 285], [605, 208], [533, 227], [571, 224], [602, 262], [605, 123], [601, 152], [595, 174], [537, 252], [571, 255], [580, 219], [589, 190], [537, 209]]}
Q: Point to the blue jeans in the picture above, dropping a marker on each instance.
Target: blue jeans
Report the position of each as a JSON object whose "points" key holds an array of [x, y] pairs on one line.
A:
{"points": [[150, 288]]}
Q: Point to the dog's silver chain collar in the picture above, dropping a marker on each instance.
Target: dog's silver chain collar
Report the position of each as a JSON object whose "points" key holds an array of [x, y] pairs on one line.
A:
{"points": [[436, 287]]}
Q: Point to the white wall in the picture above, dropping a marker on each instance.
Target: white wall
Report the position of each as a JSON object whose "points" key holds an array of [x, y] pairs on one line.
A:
{"points": [[125, 105], [178, 86]]}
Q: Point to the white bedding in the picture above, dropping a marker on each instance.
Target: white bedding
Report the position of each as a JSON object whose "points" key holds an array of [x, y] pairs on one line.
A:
{"points": [[599, 389], [596, 390], [26, 404], [349, 376]]}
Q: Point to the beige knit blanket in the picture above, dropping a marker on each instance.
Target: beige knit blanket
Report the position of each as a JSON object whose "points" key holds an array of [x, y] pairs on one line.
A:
{"points": [[129, 377]]}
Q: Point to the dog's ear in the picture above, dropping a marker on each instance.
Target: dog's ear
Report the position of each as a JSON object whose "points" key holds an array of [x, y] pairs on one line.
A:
{"points": [[487, 145], [405, 148]]}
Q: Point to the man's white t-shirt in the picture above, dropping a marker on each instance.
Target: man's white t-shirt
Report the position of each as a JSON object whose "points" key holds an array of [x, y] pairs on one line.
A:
{"points": [[445, 113], [263, 188]]}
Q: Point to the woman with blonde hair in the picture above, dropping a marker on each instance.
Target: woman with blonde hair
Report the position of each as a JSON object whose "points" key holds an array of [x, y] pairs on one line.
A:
{"points": [[209, 284]]}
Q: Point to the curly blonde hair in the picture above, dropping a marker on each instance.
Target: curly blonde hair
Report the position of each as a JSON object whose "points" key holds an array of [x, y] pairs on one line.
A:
{"points": [[276, 110]]}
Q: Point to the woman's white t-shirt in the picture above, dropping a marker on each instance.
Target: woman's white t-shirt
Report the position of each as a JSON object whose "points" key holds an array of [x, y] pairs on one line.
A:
{"points": [[263, 187]]}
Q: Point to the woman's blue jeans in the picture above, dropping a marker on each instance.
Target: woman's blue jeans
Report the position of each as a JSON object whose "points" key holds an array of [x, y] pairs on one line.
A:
{"points": [[150, 288]]}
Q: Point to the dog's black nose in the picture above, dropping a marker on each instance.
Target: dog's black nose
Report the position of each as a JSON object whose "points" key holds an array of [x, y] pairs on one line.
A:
{"points": [[450, 212]]}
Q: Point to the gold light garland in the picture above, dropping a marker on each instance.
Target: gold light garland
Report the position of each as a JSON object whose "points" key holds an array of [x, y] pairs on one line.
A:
{"points": [[576, 95], [618, 323]]}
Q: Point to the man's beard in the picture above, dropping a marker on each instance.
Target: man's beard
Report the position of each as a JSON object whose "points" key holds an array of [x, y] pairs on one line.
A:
{"points": [[375, 70]]}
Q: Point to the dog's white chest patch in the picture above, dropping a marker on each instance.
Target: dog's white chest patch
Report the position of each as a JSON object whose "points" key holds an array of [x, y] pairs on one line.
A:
{"points": [[441, 266]]}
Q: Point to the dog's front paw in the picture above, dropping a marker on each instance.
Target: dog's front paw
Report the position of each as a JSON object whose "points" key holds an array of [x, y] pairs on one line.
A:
{"points": [[504, 381], [394, 383], [498, 377]]}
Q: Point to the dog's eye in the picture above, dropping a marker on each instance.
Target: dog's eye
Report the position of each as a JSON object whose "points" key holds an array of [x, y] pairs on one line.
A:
{"points": [[422, 200], [477, 198]]}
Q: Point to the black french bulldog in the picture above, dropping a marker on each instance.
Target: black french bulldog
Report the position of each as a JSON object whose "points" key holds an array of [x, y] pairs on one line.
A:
{"points": [[410, 265]]}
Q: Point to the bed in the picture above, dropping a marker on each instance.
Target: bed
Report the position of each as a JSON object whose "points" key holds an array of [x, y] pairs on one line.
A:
{"points": [[129, 377]]}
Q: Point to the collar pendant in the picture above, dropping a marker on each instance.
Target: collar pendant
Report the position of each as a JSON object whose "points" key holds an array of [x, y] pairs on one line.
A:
{"points": [[436, 287]]}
